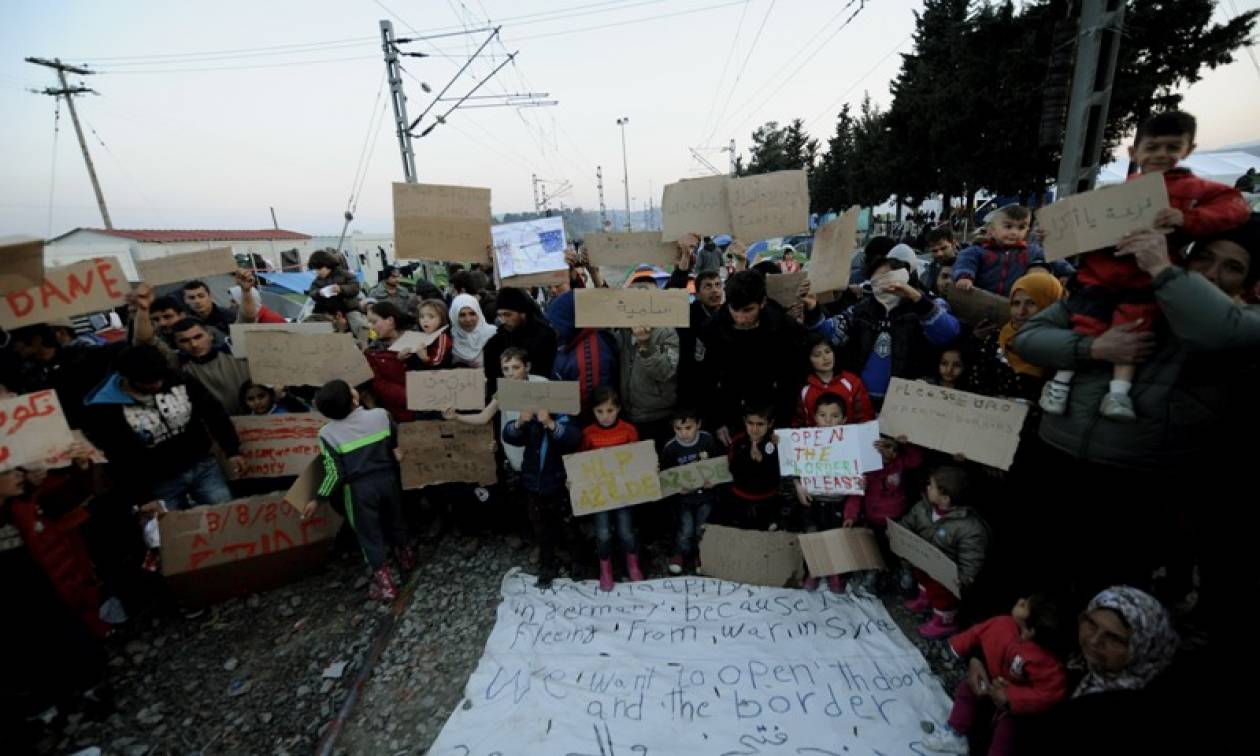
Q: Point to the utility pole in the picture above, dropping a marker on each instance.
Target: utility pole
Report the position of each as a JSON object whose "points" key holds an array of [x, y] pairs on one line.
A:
{"points": [[399, 100], [68, 92], [534, 178], [731, 149], [651, 218], [1097, 48], [625, 166], [599, 184]]}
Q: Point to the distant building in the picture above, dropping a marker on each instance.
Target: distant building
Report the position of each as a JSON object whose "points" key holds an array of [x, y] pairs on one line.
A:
{"points": [[271, 249]]}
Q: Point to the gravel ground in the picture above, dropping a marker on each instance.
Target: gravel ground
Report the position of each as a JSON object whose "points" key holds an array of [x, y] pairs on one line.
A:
{"points": [[260, 674]]}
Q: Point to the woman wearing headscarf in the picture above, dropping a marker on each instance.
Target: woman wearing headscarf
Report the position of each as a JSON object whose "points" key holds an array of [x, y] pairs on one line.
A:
{"points": [[996, 369], [470, 330]]}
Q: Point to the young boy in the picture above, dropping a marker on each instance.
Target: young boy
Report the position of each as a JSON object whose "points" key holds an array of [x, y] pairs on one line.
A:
{"points": [[942, 519], [335, 282], [1113, 290], [359, 448], [1002, 257], [818, 511], [754, 461], [690, 444]]}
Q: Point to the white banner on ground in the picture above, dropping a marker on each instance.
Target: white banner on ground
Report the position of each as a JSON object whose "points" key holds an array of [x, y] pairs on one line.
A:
{"points": [[691, 665]]}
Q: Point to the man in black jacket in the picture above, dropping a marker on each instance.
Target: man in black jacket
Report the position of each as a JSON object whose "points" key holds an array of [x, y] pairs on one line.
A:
{"points": [[706, 306], [521, 324]]}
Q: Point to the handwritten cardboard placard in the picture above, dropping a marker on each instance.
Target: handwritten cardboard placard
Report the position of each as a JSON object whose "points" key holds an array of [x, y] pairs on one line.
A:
{"points": [[21, 263], [983, 428], [612, 478], [239, 332], [32, 428], [830, 461], [1094, 220], [630, 249], [441, 452], [461, 388], [281, 358], [63, 456], [909, 546], [414, 341], [694, 476], [436, 222], [90, 286], [529, 247], [564, 397], [550, 278], [784, 287], [769, 204], [696, 206], [275, 446], [976, 305], [623, 308], [832, 253], [835, 552], [754, 557], [186, 266]]}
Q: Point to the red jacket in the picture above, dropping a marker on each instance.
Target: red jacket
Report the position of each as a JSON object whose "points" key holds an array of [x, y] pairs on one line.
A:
{"points": [[1036, 679], [596, 437], [885, 495], [389, 383], [847, 386], [1208, 208]]}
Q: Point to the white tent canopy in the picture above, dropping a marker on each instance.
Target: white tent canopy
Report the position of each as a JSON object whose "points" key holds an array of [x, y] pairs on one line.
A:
{"points": [[1224, 166]]}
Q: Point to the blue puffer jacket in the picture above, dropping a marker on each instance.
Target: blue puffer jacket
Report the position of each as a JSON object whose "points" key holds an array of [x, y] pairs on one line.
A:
{"points": [[996, 268], [542, 471], [587, 355]]}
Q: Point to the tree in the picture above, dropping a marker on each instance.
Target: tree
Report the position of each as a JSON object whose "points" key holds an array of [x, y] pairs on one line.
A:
{"points": [[831, 182], [779, 148]]}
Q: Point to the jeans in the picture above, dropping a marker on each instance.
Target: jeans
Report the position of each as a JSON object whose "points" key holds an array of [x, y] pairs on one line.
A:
{"points": [[201, 485], [604, 524], [693, 513]]}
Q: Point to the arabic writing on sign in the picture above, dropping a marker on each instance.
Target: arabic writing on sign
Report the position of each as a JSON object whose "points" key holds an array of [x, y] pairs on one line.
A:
{"points": [[1099, 219], [623, 308], [462, 388], [32, 428]]}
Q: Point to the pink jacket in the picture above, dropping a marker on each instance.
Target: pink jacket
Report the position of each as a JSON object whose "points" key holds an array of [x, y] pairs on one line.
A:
{"points": [[885, 496]]}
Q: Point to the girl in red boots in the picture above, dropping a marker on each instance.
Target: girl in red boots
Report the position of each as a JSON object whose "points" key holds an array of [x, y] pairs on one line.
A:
{"points": [[609, 430]]}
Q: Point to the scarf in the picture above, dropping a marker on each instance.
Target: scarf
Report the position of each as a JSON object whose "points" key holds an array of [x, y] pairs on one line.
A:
{"points": [[878, 283], [1151, 646], [1045, 290], [469, 344]]}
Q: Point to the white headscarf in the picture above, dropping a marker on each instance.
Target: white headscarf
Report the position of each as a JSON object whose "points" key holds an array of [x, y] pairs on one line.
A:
{"points": [[468, 345], [905, 253]]}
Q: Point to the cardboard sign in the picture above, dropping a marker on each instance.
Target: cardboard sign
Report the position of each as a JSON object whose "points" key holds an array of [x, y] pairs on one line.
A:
{"points": [[909, 546], [694, 476], [186, 266], [32, 428], [983, 428], [239, 332], [696, 206], [282, 358], [1098, 219], [630, 249], [61, 457], [435, 222], [783, 287], [564, 397], [275, 446], [244, 546], [830, 461], [529, 247], [90, 286], [462, 388], [550, 278], [441, 452], [832, 253], [754, 557], [769, 204], [976, 305], [623, 308], [415, 341], [303, 489], [21, 263], [835, 552], [612, 478]]}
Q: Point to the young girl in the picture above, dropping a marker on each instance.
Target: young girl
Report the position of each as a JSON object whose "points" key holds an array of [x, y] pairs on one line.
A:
{"points": [[263, 400], [951, 369], [942, 519], [608, 430], [885, 497], [826, 378], [754, 462], [434, 319], [818, 511], [471, 331]]}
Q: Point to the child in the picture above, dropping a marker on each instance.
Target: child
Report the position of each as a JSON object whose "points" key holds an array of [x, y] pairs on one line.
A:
{"points": [[1112, 290], [545, 438], [819, 511], [943, 279], [1010, 664], [333, 282], [825, 378], [951, 368], [1002, 257], [690, 444], [754, 462], [608, 430], [434, 319], [942, 519], [263, 400], [885, 496], [360, 453]]}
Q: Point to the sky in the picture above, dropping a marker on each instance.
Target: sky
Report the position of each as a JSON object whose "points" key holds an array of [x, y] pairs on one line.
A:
{"points": [[209, 114]]}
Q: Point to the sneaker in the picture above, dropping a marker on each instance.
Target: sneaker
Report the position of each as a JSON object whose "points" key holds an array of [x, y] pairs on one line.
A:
{"points": [[676, 564], [937, 628], [382, 587], [1118, 407], [944, 740], [835, 583], [810, 583], [919, 604], [1054, 397]]}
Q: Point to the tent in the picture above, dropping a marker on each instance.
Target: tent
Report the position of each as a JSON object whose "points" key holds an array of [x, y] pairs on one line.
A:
{"points": [[1224, 167]]}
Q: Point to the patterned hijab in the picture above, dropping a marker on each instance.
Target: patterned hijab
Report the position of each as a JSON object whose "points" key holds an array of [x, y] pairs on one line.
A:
{"points": [[1045, 290], [1151, 646]]}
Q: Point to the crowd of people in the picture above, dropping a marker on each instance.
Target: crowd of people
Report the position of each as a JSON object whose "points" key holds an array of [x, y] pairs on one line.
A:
{"points": [[1138, 365]]}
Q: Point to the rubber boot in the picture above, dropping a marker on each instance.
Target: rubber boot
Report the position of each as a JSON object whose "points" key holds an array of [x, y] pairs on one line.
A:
{"points": [[605, 575], [632, 568]]}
